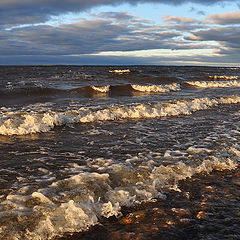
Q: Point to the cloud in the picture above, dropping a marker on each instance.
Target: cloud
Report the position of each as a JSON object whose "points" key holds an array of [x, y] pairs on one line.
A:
{"points": [[224, 18], [179, 20], [121, 60], [15, 12], [182, 24], [119, 16], [229, 35], [110, 32], [226, 37], [119, 32]]}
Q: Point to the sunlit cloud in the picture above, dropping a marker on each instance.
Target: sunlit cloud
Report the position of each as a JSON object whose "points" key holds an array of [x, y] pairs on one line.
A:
{"points": [[224, 18], [28, 31], [179, 20]]}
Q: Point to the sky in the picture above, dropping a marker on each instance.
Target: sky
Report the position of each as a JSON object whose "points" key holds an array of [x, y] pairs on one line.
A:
{"points": [[120, 32]]}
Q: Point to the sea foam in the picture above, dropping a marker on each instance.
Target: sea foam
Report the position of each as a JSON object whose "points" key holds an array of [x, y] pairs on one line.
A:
{"points": [[118, 71], [26, 123], [213, 84], [78, 202], [102, 89], [156, 88], [224, 77]]}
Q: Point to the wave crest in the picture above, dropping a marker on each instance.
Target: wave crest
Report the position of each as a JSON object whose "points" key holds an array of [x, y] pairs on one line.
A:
{"points": [[213, 84], [102, 89], [156, 88], [216, 77], [117, 71], [26, 123]]}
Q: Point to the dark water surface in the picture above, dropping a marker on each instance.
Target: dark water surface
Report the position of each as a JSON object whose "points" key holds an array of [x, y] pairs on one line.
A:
{"points": [[137, 152]]}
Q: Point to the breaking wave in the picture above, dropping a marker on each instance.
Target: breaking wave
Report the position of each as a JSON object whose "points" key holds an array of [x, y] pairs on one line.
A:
{"points": [[117, 71], [213, 84], [157, 88], [78, 202], [20, 123], [224, 77], [88, 90], [102, 89]]}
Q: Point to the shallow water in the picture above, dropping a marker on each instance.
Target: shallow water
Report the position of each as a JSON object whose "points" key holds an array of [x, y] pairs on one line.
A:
{"points": [[138, 153], [206, 208]]}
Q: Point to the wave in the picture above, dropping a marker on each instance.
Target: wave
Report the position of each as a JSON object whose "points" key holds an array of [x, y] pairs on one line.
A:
{"points": [[30, 91], [78, 202], [224, 77], [87, 91], [213, 84], [20, 123], [156, 88], [117, 71], [102, 89]]}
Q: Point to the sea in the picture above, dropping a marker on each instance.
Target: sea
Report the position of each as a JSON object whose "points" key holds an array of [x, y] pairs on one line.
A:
{"points": [[119, 152]]}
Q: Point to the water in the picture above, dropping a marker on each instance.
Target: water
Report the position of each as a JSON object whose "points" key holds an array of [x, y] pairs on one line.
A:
{"points": [[137, 152]]}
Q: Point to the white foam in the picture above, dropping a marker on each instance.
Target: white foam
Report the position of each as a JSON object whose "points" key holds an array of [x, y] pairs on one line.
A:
{"points": [[17, 198], [157, 88], [102, 89], [197, 150], [174, 154], [41, 197], [68, 217], [234, 151], [215, 77], [214, 163], [120, 71], [213, 84], [33, 122], [78, 202]]}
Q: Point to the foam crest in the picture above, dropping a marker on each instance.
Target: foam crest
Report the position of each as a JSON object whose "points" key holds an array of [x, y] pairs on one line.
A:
{"points": [[27, 123], [120, 71], [156, 88], [214, 84], [70, 216], [102, 89], [169, 176], [224, 77]]}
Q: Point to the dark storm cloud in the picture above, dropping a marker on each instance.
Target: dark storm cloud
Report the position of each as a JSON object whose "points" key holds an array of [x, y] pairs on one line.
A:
{"points": [[13, 12]]}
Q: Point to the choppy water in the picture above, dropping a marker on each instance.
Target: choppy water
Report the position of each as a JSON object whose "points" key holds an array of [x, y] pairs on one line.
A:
{"points": [[83, 146]]}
